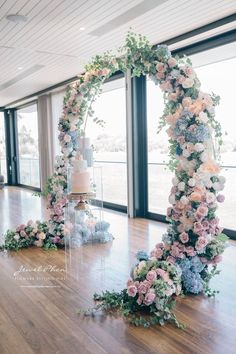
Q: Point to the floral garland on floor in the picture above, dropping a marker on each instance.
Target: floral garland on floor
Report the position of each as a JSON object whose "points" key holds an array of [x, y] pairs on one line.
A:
{"points": [[194, 240]]}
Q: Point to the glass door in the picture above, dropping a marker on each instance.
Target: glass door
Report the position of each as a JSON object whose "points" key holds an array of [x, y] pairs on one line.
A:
{"points": [[159, 176], [3, 166], [27, 131], [109, 142]]}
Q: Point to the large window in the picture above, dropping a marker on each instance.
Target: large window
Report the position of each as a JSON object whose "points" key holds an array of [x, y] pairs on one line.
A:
{"points": [[27, 128], [159, 176], [3, 167], [110, 142]]}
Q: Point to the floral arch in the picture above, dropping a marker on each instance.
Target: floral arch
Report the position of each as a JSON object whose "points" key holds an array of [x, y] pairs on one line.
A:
{"points": [[194, 239]]}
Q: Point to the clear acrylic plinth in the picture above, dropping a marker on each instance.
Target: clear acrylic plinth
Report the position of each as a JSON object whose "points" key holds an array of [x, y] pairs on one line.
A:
{"points": [[86, 230]]}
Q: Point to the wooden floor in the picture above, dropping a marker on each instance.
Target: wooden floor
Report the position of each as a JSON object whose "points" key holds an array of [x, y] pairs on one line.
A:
{"points": [[38, 307]]}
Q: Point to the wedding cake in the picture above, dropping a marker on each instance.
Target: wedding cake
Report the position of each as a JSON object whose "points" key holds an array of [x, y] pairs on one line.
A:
{"points": [[80, 176]]}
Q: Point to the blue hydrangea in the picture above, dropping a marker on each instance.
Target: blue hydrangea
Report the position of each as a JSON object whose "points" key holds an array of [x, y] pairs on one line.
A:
{"points": [[196, 265], [198, 135], [184, 264], [163, 52], [191, 278], [142, 256], [181, 126], [192, 282]]}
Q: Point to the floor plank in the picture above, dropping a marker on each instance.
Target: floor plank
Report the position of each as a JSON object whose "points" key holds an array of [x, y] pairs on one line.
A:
{"points": [[38, 310]]}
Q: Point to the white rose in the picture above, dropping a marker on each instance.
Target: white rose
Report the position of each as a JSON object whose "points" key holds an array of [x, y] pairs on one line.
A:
{"points": [[16, 237], [210, 197], [188, 83], [175, 181], [199, 147], [184, 200], [181, 186], [191, 182], [202, 117], [172, 199]]}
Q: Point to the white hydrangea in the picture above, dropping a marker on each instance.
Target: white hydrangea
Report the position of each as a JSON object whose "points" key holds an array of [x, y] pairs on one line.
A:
{"points": [[218, 186], [199, 147]]}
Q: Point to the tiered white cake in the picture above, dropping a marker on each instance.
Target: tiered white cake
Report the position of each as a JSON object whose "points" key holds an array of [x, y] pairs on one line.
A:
{"points": [[80, 176]]}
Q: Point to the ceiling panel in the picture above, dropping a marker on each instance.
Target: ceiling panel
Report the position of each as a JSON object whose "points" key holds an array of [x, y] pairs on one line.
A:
{"points": [[52, 40]]}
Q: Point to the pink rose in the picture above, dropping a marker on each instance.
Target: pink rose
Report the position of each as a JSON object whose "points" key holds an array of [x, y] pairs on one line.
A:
{"points": [[129, 282], [197, 226], [190, 251], [172, 62], [187, 101], [160, 75], [157, 253], [151, 276], [171, 260], [203, 210], [184, 237], [188, 70], [201, 243], [144, 287], [132, 290], [161, 67], [205, 224], [166, 86], [149, 298], [173, 96]]}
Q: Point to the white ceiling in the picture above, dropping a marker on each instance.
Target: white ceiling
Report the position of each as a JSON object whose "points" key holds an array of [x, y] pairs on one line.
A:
{"points": [[50, 47]]}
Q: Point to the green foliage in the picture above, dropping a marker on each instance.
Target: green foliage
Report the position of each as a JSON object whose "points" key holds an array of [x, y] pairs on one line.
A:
{"points": [[145, 316], [207, 276]]}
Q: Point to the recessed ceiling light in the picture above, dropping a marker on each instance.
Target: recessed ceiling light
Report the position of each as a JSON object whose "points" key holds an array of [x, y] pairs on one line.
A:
{"points": [[19, 68], [16, 18], [82, 28]]}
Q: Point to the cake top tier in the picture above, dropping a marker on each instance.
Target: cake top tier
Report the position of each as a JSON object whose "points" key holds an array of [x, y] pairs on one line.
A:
{"points": [[79, 164]]}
